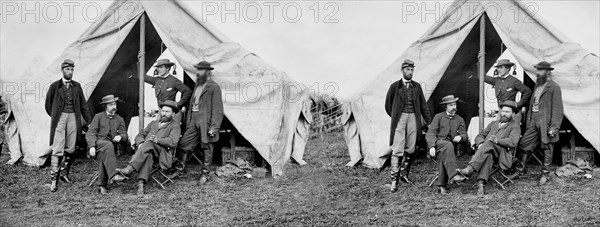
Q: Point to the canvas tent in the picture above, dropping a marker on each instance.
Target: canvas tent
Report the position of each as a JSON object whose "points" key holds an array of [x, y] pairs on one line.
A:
{"points": [[261, 102], [446, 59]]}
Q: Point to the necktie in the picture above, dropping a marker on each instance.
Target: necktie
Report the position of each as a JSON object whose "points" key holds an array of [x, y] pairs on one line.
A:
{"points": [[68, 84], [407, 84]]}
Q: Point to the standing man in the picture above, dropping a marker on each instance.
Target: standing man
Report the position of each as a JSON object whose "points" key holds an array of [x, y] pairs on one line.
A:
{"points": [[203, 119], [507, 86], [447, 129], [495, 141], [543, 120], [166, 85], [66, 106], [106, 130], [159, 140], [405, 103]]}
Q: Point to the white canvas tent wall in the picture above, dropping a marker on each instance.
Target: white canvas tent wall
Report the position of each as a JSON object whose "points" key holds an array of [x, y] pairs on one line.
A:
{"points": [[451, 45], [262, 102]]}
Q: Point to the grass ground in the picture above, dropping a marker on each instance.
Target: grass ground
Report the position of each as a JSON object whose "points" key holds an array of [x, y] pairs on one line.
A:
{"points": [[322, 193]]}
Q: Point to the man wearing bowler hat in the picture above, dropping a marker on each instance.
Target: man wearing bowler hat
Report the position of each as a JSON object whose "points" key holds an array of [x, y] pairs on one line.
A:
{"points": [[405, 103], [495, 141], [446, 130], [204, 117], [544, 117], [166, 85], [107, 129], [159, 139], [66, 106], [508, 86]]}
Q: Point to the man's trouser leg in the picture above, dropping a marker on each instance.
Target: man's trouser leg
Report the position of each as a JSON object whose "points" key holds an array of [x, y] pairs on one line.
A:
{"points": [[446, 161], [410, 144], [398, 146], [483, 160], [60, 141], [188, 141], [548, 149], [107, 162], [529, 141], [141, 161]]}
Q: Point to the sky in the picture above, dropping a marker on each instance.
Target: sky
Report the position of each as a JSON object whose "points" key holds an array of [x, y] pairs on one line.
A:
{"points": [[347, 43]]}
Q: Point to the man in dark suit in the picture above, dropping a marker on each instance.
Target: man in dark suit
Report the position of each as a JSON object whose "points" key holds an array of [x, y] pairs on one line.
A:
{"points": [[159, 140], [405, 103], [107, 129], [496, 141], [446, 130], [66, 106], [544, 117], [204, 118], [508, 86], [166, 86]]}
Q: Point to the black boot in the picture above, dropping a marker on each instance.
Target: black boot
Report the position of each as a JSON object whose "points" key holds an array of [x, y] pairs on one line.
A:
{"points": [[66, 167], [405, 168], [395, 165], [54, 172], [140, 185]]}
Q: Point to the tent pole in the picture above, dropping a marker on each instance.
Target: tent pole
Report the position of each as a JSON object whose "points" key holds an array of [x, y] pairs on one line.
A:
{"points": [[481, 71], [142, 68]]}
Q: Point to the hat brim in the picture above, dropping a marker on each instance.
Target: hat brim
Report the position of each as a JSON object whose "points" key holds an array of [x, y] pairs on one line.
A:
{"points": [[203, 67], [543, 67], [514, 108], [175, 109], [406, 66], [449, 101], [507, 64], [114, 100], [167, 64]]}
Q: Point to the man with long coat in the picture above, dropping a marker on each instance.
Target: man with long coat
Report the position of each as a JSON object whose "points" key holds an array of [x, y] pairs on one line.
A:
{"points": [[204, 117], [106, 130], [405, 103], [446, 130], [66, 106], [495, 141], [158, 140], [544, 117]]}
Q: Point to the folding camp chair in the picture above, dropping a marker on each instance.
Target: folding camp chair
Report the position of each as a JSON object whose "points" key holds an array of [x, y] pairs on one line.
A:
{"points": [[502, 180]]}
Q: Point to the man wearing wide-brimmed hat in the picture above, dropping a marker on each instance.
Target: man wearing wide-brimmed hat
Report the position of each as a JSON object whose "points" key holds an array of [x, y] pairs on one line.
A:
{"points": [[159, 139], [495, 141], [507, 86], [405, 103], [107, 129], [544, 117], [446, 130], [166, 85], [204, 117], [66, 106]]}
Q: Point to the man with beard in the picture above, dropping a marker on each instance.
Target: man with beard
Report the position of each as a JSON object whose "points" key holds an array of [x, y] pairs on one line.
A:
{"points": [[158, 139], [543, 120], [446, 130], [107, 129], [405, 103], [166, 85], [66, 106], [204, 118], [494, 141], [508, 86]]}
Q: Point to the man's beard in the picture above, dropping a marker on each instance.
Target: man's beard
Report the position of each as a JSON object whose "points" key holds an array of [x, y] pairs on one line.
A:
{"points": [[112, 111], [505, 119], [452, 111], [201, 79], [165, 119], [67, 76], [541, 79], [408, 76]]}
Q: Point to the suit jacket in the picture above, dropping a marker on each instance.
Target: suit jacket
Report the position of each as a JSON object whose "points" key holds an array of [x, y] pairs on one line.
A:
{"points": [[104, 128], [166, 89], [167, 135], [507, 88], [211, 111], [508, 135], [394, 103], [55, 103], [551, 107], [443, 126]]}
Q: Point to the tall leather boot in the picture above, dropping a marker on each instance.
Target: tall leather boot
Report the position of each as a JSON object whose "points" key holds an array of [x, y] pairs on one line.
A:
{"points": [[66, 167], [405, 168], [54, 172], [395, 165]]}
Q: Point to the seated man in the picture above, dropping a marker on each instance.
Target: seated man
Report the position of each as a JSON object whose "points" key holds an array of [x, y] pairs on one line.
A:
{"points": [[106, 129], [158, 139], [495, 142], [445, 131]]}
